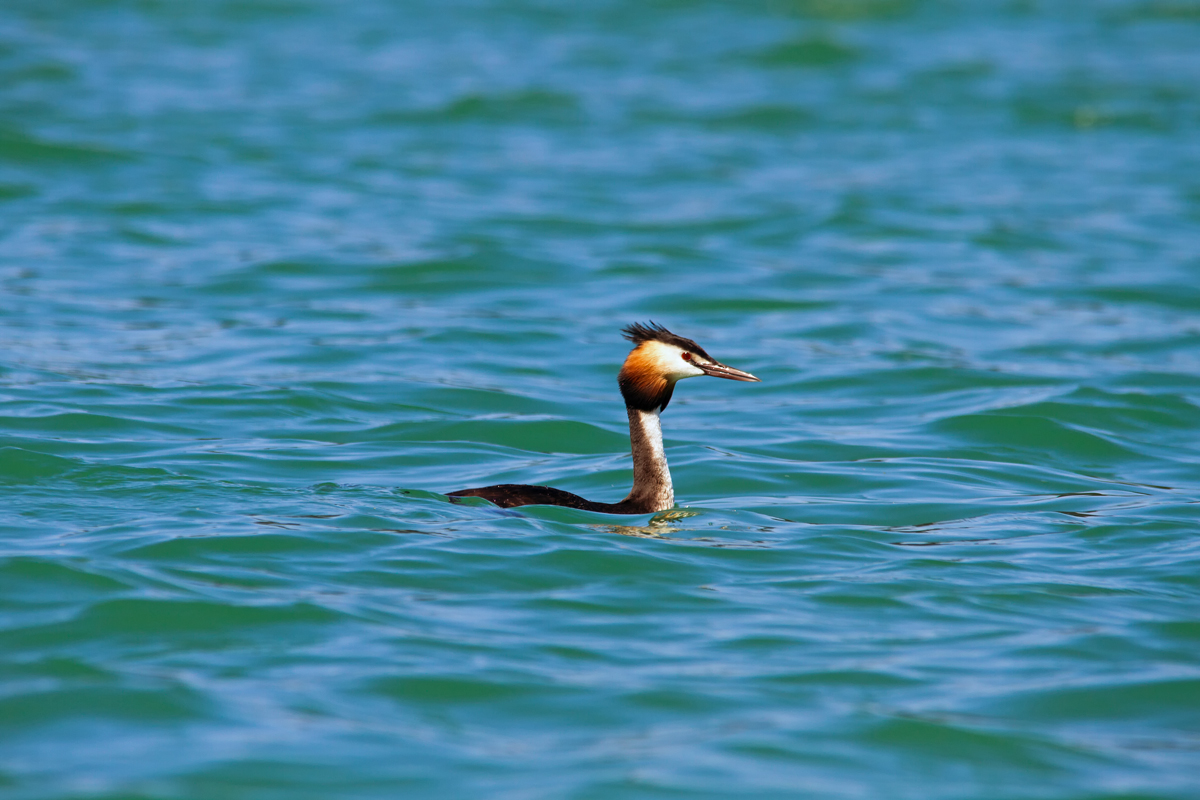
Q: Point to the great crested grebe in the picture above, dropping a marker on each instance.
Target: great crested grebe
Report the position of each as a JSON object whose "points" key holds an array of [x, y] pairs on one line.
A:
{"points": [[658, 360]]}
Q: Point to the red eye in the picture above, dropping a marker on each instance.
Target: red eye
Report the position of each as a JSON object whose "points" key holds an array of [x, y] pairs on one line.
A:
{"points": [[686, 356]]}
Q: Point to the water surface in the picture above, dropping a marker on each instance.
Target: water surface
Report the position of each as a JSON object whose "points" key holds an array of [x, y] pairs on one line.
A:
{"points": [[275, 274]]}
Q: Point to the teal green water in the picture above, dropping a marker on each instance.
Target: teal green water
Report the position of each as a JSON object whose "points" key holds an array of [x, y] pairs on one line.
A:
{"points": [[276, 273]]}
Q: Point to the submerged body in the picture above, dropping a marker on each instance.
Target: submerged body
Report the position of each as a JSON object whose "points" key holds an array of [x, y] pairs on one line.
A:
{"points": [[657, 362], [652, 490]]}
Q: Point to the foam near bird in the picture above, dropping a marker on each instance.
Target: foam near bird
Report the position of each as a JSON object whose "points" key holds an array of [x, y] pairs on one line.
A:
{"points": [[658, 361]]}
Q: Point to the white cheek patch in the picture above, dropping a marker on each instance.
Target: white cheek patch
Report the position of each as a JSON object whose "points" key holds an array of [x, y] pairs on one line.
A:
{"points": [[669, 360]]}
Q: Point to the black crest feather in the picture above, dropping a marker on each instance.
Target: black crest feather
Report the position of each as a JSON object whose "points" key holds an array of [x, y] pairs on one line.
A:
{"points": [[639, 333]]}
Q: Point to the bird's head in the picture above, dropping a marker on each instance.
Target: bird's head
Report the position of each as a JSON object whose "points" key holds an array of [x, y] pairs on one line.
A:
{"points": [[658, 360]]}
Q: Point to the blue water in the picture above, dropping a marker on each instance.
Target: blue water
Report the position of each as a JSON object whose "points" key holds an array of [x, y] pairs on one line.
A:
{"points": [[276, 274]]}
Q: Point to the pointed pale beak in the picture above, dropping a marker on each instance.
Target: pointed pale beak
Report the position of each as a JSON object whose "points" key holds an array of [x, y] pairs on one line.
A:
{"points": [[719, 370]]}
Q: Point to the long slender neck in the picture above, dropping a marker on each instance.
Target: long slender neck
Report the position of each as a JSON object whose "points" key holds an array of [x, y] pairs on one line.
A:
{"points": [[652, 490]]}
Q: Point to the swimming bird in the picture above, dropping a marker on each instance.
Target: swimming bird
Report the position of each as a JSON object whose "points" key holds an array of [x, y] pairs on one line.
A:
{"points": [[658, 361]]}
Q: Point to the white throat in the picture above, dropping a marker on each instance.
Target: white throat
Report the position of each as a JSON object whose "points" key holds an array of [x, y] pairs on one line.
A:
{"points": [[651, 477]]}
